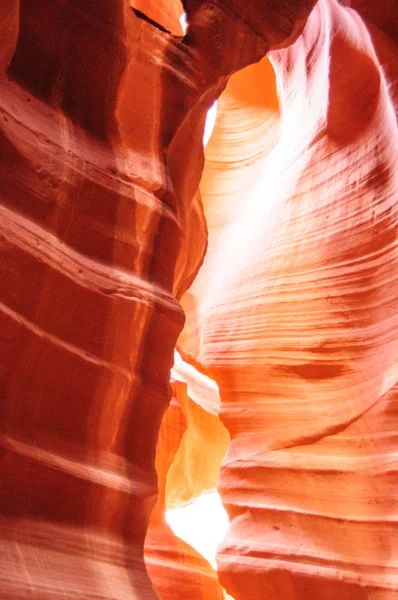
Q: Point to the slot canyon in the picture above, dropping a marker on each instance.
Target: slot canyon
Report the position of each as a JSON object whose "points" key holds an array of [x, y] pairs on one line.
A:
{"points": [[199, 300]]}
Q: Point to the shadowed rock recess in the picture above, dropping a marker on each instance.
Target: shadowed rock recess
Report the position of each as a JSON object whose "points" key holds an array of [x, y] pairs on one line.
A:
{"points": [[276, 246]]}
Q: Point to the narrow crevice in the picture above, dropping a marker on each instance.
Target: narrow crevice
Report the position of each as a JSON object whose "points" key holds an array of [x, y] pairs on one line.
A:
{"points": [[144, 17]]}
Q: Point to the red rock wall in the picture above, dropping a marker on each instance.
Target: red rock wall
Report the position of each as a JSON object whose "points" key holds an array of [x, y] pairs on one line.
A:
{"points": [[293, 313], [191, 444], [89, 241]]}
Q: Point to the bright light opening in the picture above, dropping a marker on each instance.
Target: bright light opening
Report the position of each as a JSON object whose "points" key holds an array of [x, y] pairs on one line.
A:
{"points": [[184, 22], [202, 524], [210, 123]]}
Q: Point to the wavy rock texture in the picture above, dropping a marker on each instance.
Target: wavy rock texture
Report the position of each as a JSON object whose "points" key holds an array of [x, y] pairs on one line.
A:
{"points": [[102, 115], [191, 445], [294, 313], [90, 236]]}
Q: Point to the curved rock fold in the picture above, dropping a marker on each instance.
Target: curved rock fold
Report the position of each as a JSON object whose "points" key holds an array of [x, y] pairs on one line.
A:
{"points": [[153, 329]]}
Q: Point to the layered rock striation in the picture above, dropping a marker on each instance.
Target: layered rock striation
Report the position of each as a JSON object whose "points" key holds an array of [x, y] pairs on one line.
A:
{"points": [[292, 315]]}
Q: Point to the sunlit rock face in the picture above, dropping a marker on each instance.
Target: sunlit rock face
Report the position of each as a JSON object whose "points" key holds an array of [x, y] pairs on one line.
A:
{"points": [[181, 543], [97, 205], [285, 264], [294, 314]]}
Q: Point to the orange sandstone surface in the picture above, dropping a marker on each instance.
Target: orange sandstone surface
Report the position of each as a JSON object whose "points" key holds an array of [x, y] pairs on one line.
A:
{"points": [[177, 320]]}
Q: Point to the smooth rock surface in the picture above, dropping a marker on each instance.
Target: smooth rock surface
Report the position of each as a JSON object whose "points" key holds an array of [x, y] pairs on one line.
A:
{"points": [[294, 314], [291, 323]]}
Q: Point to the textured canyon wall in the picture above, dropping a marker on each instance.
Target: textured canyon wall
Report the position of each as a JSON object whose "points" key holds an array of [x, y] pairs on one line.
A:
{"points": [[300, 331], [90, 235], [192, 443], [102, 115], [293, 312]]}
